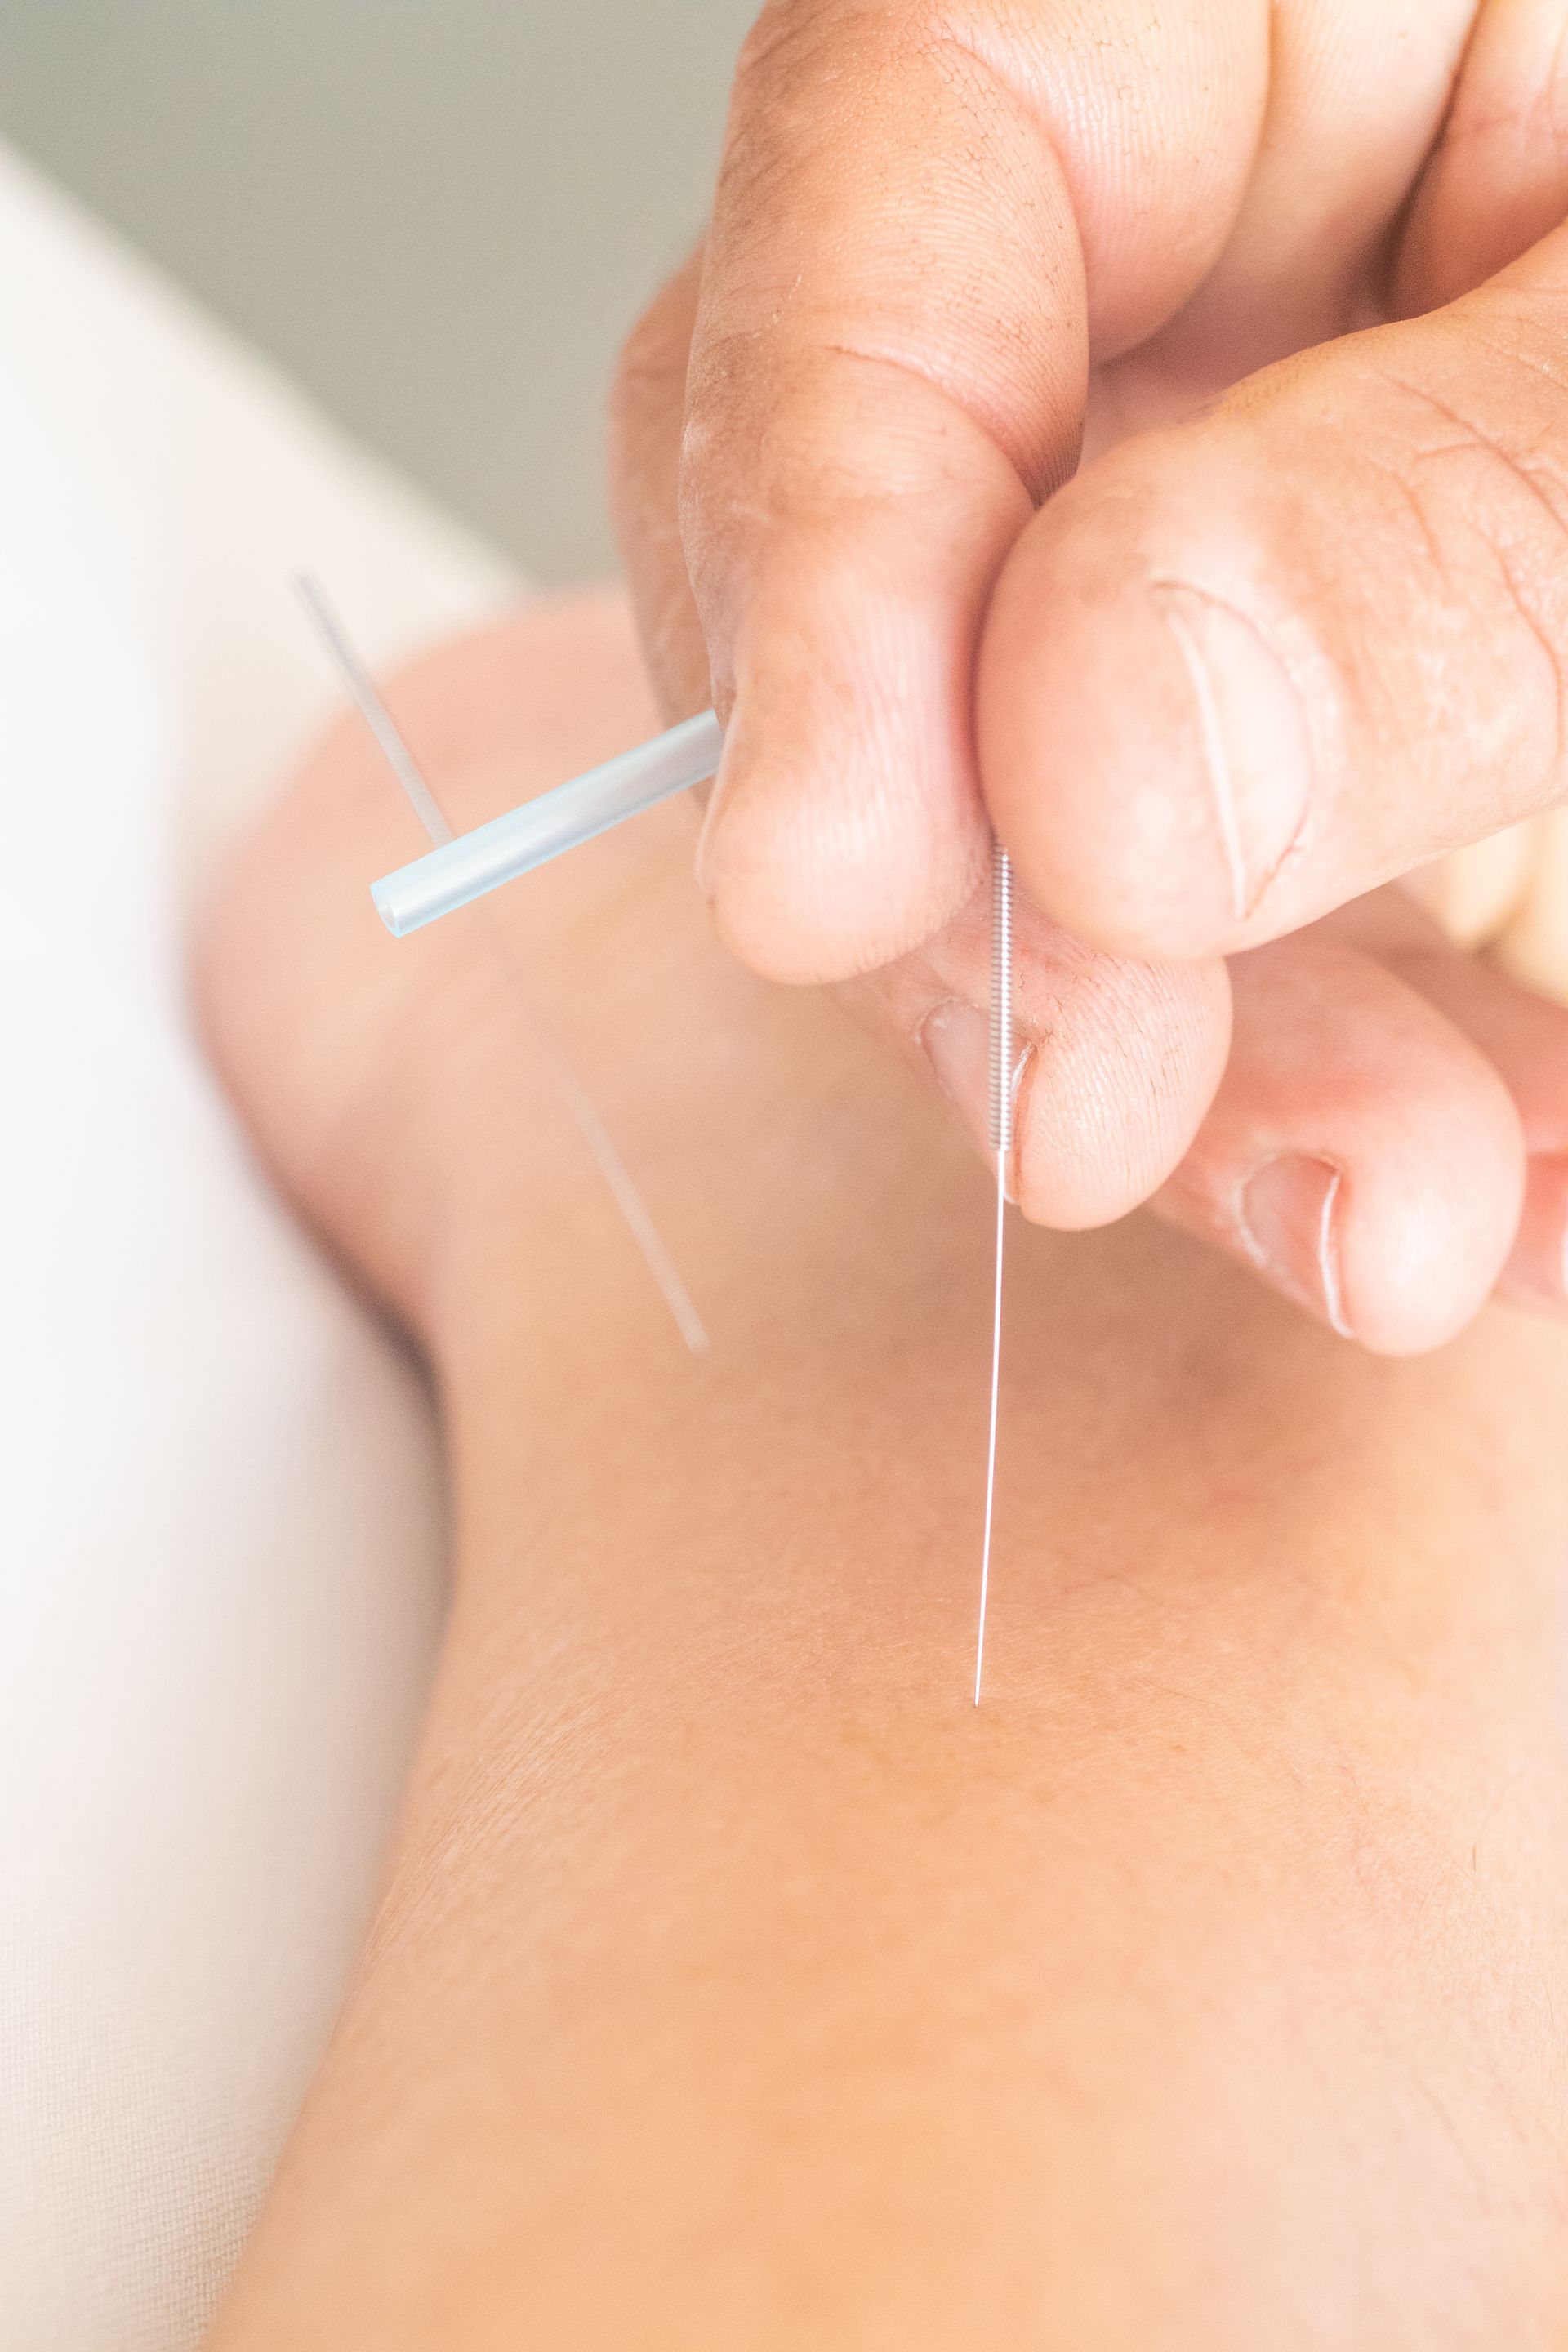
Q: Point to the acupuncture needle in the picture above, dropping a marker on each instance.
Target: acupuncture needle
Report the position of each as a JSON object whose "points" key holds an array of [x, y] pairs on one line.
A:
{"points": [[1002, 1069], [367, 698], [458, 872]]}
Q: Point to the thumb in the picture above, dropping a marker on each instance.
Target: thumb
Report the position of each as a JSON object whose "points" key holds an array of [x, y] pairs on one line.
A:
{"points": [[1244, 670]]}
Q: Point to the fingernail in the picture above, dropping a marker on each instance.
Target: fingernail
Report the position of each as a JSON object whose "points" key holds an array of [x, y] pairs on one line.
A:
{"points": [[957, 1041], [1289, 1225], [1537, 1272], [1020, 1072], [1254, 738]]}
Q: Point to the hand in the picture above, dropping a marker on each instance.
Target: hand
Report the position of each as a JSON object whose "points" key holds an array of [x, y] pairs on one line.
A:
{"points": [[925, 474]]}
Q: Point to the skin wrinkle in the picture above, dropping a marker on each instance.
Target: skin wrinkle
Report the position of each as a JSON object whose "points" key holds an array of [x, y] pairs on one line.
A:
{"points": [[824, 496], [1478, 438], [1217, 759], [1036, 479], [1477, 441], [1248, 895], [959, 384], [1405, 490]]}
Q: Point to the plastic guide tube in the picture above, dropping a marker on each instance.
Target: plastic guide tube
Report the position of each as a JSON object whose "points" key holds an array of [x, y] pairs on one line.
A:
{"points": [[466, 868]]}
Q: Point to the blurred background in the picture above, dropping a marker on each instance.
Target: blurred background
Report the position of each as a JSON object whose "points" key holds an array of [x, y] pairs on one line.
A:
{"points": [[440, 215]]}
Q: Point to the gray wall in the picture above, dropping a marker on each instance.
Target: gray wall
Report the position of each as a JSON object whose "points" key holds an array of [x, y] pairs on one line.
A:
{"points": [[440, 213]]}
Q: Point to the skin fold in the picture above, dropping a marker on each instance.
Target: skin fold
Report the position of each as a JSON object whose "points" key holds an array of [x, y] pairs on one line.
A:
{"points": [[1143, 430], [736, 1981]]}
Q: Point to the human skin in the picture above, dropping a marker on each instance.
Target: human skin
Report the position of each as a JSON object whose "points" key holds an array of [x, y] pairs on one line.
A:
{"points": [[1288, 277], [737, 1982]]}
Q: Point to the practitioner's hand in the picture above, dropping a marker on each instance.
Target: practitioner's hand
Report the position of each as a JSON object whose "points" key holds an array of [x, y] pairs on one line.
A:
{"points": [[1265, 652]]}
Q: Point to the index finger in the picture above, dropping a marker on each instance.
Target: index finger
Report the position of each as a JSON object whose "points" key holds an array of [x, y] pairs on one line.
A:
{"points": [[922, 216]]}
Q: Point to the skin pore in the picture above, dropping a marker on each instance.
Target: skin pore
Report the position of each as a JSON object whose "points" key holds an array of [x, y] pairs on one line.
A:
{"points": [[736, 1981]]}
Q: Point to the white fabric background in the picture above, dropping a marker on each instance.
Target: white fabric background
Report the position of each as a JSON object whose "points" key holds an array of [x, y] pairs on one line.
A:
{"points": [[219, 1515]]}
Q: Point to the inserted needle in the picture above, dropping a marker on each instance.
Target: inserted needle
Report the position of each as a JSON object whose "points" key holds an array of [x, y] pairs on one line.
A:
{"points": [[1002, 1063], [366, 697]]}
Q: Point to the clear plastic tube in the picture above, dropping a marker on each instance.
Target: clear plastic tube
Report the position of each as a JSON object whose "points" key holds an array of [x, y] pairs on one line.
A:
{"points": [[472, 863]]}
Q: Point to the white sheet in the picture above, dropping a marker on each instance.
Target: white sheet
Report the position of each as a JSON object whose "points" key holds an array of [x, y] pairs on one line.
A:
{"points": [[219, 1518]]}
